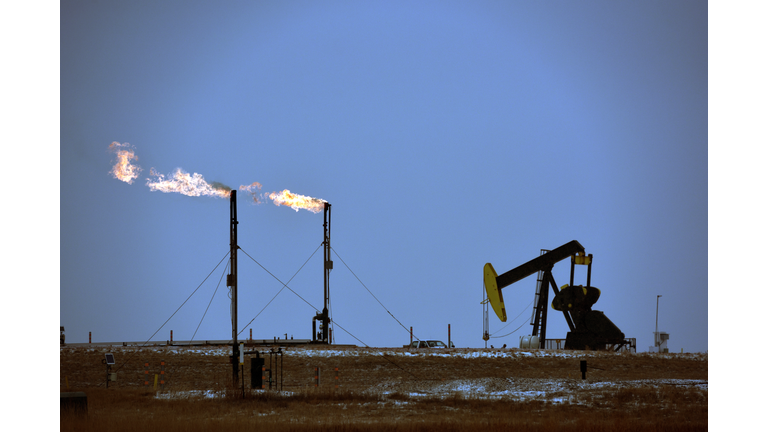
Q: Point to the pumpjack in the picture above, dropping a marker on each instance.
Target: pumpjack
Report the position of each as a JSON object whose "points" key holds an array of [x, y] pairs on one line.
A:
{"points": [[589, 329]]}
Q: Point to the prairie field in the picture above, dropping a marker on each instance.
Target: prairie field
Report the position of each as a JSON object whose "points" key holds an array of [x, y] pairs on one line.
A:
{"points": [[385, 389]]}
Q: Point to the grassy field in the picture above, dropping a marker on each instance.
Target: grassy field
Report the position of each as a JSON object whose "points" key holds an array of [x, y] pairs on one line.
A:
{"points": [[389, 389]]}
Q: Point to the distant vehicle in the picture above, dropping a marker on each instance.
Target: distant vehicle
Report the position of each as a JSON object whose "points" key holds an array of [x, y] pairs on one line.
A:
{"points": [[428, 344], [62, 335]]}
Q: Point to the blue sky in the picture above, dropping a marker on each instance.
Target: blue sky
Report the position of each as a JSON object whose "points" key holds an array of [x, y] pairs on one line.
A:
{"points": [[444, 134]]}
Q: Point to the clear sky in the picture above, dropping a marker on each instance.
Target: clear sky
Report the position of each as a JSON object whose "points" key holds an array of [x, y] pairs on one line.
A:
{"points": [[445, 135]]}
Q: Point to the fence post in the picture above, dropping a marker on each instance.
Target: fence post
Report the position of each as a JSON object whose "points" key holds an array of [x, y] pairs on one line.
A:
{"points": [[337, 376], [263, 376], [146, 374], [317, 376], [162, 375], [89, 337]]}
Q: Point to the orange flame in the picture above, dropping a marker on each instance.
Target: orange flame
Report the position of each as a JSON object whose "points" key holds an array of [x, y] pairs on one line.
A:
{"points": [[186, 184], [195, 185], [123, 169], [252, 189], [296, 201]]}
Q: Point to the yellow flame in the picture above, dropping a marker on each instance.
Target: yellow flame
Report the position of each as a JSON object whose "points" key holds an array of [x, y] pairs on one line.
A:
{"points": [[296, 201], [123, 169], [252, 189], [185, 184], [195, 185]]}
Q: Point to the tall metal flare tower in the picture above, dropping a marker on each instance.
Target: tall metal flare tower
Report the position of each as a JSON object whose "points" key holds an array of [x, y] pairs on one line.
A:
{"points": [[232, 280], [324, 335]]}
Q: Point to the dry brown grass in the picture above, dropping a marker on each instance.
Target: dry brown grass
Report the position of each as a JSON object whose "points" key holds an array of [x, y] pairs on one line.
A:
{"points": [[390, 394]]}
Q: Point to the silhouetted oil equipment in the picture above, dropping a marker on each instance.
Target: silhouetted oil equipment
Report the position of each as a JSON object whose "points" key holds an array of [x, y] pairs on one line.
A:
{"points": [[323, 335], [257, 365], [261, 375], [232, 280], [589, 329]]}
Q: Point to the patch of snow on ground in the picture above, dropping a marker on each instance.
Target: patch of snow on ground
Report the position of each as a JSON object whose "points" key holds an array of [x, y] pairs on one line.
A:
{"points": [[207, 394], [467, 353], [527, 389]]}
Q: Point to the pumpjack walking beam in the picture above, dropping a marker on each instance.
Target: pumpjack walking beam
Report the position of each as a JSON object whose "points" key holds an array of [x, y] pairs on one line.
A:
{"points": [[548, 260]]}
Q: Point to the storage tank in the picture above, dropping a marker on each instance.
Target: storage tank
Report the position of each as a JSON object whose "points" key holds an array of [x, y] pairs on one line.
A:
{"points": [[527, 342]]}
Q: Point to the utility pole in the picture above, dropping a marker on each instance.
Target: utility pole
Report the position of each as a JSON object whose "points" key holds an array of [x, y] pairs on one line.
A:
{"points": [[486, 334], [656, 334], [232, 280]]}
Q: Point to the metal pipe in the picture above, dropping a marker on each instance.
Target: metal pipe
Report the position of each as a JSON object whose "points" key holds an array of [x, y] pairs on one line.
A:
{"points": [[656, 334], [327, 266], [232, 279]]}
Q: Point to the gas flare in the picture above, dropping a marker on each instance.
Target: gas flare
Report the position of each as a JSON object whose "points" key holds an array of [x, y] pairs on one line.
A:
{"points": [[186, 184], [296, 201], [123, 169], [195, 185], [253, 189]]}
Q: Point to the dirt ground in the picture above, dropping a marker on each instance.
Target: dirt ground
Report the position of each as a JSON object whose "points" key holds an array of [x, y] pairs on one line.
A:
{"points": [[471, 371], [358, 388]]}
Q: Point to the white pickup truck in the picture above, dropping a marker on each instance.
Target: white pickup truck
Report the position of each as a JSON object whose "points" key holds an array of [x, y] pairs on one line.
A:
{"points": [[428, 344]]}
